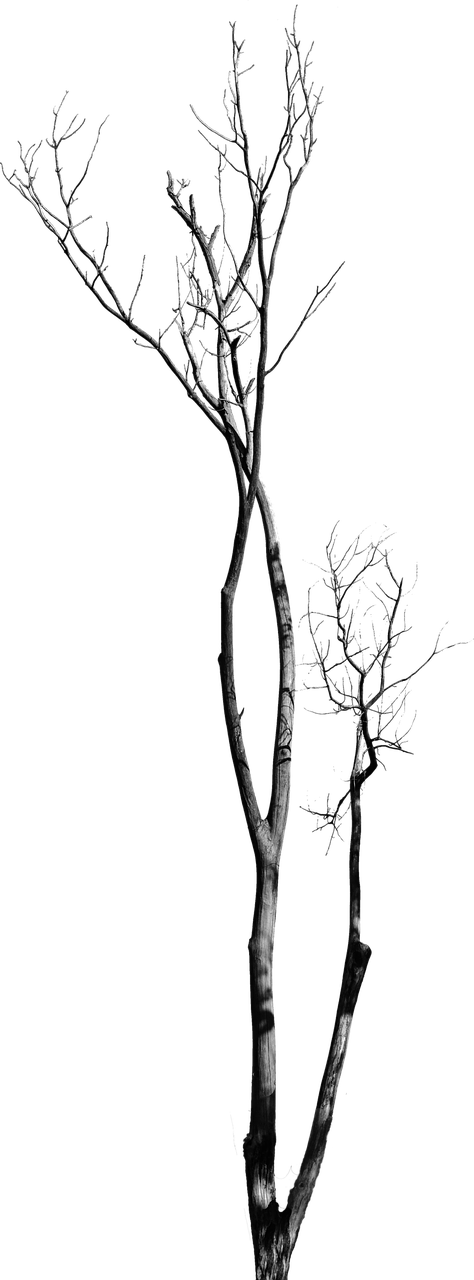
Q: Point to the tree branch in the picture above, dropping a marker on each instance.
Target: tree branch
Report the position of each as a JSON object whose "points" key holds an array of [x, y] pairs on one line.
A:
{"points": [[373, 714], [310, 311]]}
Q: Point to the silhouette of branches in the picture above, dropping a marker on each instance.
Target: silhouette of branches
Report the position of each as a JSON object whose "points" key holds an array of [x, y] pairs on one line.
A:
{"points": [[356, 658]]}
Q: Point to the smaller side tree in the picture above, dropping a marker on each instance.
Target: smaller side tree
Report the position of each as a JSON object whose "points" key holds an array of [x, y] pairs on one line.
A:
{"points": [[355, 645]]}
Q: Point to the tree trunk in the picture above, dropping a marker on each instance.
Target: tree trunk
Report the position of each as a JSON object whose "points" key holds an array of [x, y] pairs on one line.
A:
{"points": [[276, 1228], [270, 1234], [271, 1237]]}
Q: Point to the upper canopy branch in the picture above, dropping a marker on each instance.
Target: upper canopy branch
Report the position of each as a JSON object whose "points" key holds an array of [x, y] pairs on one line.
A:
{"points": [[300, 108], [90, 266], [317, 300], [226, 287], [227, 295]]}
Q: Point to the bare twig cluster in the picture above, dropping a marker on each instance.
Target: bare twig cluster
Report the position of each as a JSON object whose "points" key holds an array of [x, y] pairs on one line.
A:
{"points": [[222, 294], [354, 646], [64, 228], [228, 284]]}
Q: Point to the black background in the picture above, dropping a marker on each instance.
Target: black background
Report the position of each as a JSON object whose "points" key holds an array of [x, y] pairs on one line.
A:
{"points": [[128, 872]]}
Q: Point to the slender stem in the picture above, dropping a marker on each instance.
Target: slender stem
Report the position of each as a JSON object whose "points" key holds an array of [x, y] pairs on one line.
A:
{"points": [[355, 965]]}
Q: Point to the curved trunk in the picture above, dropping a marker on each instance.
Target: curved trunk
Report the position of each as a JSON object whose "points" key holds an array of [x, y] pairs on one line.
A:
{"points": [[269, 1227], [276, 1229]]}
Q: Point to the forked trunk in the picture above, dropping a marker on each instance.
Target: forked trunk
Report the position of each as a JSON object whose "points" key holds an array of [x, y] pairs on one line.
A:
{"points": [[275, 1231]]}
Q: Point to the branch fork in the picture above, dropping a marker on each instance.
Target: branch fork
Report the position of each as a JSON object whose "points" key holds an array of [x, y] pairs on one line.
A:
{"points": [[354, 659]]}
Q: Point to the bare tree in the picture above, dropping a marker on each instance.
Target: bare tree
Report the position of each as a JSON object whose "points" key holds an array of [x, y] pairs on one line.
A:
{"points": [[217, 334], [355, 645]]}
